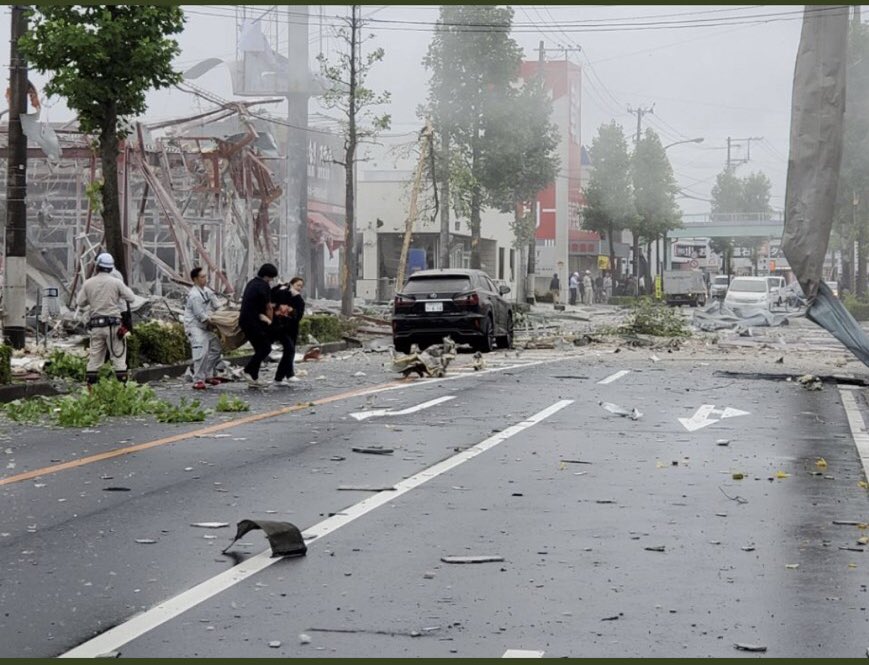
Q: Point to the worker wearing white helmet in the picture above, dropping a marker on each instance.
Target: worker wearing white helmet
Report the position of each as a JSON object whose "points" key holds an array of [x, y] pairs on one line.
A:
{"points": [[102, 295]]}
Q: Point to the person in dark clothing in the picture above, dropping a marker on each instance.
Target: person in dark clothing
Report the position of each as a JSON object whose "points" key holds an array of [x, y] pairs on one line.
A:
{"points": [[255, 318], [289, 310]]}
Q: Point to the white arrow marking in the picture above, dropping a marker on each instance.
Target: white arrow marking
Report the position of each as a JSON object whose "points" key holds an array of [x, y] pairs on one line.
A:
{"points": [[701, 418], [377, 413]]}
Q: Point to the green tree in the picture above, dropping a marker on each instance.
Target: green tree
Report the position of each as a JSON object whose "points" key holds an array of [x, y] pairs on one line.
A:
{"points": [[103, 59], [655, 190], [733, 195], [609, 197], [521, 158], [472, 72], [349, 95]]}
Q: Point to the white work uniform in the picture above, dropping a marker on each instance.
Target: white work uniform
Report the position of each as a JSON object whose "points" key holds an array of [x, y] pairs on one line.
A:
{"points": [[204, 344]]}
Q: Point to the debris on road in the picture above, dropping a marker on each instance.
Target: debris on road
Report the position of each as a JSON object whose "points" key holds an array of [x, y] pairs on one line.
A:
{"points": [[274, 644], [478, 362], [614, 617], [145, 541], [284, 538], [717, 316], [485, 558], [633, 414], [373, 451], [757, 648], [361, 488], [736, 498], [792, 566], [210, 525], [722, 442], [821, 463], [304, 638], [575, 461], [432, 362], [810, 382], [116, 489], [737, 475], [656, 548]]}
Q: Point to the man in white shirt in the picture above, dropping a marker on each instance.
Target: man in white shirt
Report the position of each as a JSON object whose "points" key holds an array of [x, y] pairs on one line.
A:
{"points": [[204, 342]]}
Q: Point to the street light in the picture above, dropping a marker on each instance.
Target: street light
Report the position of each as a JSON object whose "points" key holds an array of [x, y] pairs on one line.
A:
{"points": [[697, 140]]}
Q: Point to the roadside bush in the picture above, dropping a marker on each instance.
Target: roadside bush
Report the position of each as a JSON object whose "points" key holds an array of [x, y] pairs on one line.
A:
{"points": [[157, 343], [5, 363], [859, 309], [226, 404], [322, 327], [649, 317], [64, 365]]}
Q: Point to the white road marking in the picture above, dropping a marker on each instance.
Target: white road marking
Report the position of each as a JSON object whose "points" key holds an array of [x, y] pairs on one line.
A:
{"points": [[377, 413], [614, 377], [858, 427], [135, 627], [701, 418], [520, 653]]}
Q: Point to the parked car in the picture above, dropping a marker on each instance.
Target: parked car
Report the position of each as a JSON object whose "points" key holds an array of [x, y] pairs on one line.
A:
{"points": [[718, 286], [464, 304], [776, 284], [749, 292]]}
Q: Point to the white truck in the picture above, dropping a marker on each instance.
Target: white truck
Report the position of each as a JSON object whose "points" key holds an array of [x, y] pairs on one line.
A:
{"points": [[684, 287]]}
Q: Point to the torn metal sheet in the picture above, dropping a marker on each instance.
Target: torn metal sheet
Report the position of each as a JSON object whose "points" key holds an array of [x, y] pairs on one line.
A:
{"points": [[431, 362], [284, 538], [817, 123], [828, 312], [633, 414], [718, 316]]}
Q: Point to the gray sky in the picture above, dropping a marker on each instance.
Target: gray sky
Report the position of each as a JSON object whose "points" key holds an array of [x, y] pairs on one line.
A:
{"points": [[715, 72]]}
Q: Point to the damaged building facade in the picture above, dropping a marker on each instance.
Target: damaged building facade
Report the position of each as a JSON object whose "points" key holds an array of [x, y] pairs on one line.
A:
{"points": [[206, 191]]}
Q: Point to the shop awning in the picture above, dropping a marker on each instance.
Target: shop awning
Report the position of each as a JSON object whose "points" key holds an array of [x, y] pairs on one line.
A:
{"points": [[323, 231]]}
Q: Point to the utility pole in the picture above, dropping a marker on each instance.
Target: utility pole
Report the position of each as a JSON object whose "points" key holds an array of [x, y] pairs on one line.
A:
{"points": [[294, 251], [640, 112], [531, 249], [733, 163], [16, 190]]}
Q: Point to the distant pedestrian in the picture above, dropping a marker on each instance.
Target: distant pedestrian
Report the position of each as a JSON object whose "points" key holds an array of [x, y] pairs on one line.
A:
{"points": [[255, 318], [102, 295], [588, 289], [555, 288], [289, 310], [204, 342], [598, 289], [574, 287], [608, 287]]}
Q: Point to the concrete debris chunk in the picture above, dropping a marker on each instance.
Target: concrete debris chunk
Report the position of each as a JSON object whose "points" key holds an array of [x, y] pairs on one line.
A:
{"points": [[210, 525], [432, 362], [274, 644], [373, 451], [633, 414], [757, 648]]}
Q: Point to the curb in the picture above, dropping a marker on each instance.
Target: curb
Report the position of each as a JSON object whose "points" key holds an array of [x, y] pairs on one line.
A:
{"points": [[25, 389]]}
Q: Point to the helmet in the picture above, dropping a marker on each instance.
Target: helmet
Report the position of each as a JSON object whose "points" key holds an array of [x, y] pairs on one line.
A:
{"points": [[106, 261]]}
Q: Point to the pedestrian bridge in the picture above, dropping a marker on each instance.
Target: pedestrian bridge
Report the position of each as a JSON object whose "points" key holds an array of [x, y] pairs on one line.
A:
{"points": [[730, 225]]}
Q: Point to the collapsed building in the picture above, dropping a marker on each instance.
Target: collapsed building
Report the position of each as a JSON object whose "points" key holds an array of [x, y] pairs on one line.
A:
{"points": [[204, 190]]}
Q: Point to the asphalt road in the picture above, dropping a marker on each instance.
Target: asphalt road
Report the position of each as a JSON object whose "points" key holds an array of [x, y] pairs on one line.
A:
{"points": [[619, 537]]}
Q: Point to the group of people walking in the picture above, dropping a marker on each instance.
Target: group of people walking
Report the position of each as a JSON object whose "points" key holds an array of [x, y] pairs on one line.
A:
{"points": [[270, 312]]}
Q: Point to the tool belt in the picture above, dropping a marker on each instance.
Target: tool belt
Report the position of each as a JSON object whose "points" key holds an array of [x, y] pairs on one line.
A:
{"points": [[103, 321]]}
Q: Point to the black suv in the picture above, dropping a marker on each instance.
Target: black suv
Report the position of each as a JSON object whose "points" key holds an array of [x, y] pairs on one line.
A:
{"points": [[464, 304]]}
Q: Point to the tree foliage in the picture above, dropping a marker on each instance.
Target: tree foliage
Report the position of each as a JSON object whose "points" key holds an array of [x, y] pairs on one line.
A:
{"points": [[472, 72], [103, 60], [609, 197], [732, 195], [655, 189]]}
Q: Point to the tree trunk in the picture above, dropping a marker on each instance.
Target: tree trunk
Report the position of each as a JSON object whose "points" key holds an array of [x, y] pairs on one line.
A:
{"points": [[612, 254], [348, 266], [476, 200], [846, 278], [445, 200], [636, 264], [648, 273], [861, 260], [114, 237]]}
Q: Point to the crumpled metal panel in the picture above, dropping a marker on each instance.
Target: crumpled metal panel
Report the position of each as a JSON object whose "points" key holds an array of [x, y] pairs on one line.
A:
{"points": [[284, 538], [829, 313], [817, 120]]}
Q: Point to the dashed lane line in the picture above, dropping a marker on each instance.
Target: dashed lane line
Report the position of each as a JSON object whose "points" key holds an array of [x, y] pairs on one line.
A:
{"points": [[614, 377], [114, 638]]}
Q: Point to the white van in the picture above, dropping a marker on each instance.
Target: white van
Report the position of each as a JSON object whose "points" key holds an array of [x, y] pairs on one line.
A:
{"points": [[749, 292]]}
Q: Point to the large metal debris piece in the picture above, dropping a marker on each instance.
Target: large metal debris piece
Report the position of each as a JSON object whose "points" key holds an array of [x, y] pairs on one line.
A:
{"points": [[718, 316], [432, 362], [284, 538]]}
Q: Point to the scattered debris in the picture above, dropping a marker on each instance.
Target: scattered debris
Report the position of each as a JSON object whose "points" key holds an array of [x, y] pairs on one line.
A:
{"points": [[810, 382], [485, 558], [738, 475], [821, 463], [736, 498], [116, 489], [373, 451], [360, 488], [633, 414], [304, 638], [312, 354], [575, 461], [757, 648], [360, 374], [284, 538], [210, 525], [432, 362], [145, 541], [614, 617], [656, 548], [478, 362], [792, 566], [782, 474], [722, 442], [274, 644]]}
